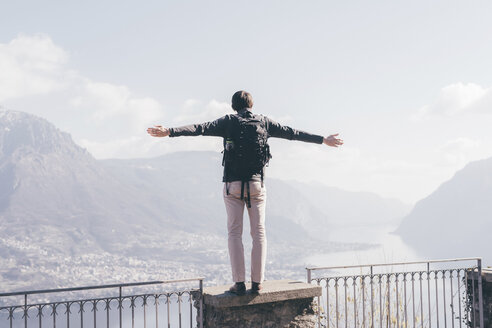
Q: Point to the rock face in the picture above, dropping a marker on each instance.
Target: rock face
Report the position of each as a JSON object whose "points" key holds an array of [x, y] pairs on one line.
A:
{"points": [[288, 314], [282, 303], [473, 320]]}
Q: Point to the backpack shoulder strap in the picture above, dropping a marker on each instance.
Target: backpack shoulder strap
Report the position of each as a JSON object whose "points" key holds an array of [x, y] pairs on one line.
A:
{"points": [[232, 119]]}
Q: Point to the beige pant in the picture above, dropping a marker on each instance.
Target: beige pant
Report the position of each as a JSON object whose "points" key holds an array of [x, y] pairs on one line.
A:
{"points": [[235, 209]]}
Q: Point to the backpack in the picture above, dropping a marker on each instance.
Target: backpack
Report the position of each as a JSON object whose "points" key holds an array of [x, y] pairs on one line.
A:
{"points": [[246, 151]]}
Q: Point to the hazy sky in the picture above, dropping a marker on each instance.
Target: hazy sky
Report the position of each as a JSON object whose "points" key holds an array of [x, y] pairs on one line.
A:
{"points": [[407, 84]]}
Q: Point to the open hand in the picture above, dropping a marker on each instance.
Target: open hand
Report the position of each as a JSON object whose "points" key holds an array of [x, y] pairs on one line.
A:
{"points": [[333, 141], [158, 131]]}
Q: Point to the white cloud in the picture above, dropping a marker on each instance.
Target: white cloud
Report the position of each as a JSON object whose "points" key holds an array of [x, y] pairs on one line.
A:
{"points": [[36, 73], [459, 98], [110, 102], [31, 65]]}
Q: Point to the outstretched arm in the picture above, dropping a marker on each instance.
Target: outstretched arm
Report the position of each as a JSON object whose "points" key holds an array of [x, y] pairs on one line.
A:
{"points": [[215, 128], [281, 131]]}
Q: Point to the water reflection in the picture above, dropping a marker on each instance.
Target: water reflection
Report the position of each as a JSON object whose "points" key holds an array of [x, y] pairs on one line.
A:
{"points": [[388, 247]]}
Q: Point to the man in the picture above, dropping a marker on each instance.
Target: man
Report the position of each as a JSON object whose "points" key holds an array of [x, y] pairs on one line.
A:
{"points": [[245, 154]]}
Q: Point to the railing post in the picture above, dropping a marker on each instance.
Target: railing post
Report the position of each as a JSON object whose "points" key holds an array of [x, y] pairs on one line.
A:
{"points": [[120, 305], [68, 314], [201, 304], [308, 275], [480, 296], [372, 297], [25, 310], [429, 294], [81, 306]]}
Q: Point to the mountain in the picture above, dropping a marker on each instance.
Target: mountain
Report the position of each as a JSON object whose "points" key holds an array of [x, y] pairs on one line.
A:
{"points": [[353, 208], [455, 220], [69, 219], [50, 187]]}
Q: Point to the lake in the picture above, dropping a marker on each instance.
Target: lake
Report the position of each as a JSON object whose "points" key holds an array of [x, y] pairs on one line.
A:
{"points": [[388, 247]]}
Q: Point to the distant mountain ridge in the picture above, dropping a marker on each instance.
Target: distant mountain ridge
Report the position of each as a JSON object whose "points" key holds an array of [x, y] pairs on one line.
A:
{"points": [[353, 208], [456, 219], [22, 132], [57, 202]]}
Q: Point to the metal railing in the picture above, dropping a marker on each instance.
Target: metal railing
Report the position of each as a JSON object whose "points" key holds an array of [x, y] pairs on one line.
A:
{"points": [[128, 310], [378, 295]]}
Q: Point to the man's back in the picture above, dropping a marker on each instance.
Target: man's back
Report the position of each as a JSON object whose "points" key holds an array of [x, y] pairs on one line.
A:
{"points": [[246, 150]]}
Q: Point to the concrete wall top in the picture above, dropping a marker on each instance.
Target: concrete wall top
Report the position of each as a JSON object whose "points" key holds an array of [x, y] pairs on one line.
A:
{"points": [[273, 291]]}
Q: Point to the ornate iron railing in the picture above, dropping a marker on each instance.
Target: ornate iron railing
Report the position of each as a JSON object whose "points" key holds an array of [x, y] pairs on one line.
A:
{"points": [[389, 295], [178, 307]]}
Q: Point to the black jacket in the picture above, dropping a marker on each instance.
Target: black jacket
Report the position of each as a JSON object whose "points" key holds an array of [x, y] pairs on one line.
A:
{"points": [[219, 127]]}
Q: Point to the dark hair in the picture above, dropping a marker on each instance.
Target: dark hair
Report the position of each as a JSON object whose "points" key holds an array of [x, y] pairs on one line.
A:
{"points": [[242, 99]]}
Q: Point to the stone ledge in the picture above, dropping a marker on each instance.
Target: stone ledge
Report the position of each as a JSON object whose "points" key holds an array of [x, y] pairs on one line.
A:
{"points": [[273, 291]]}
